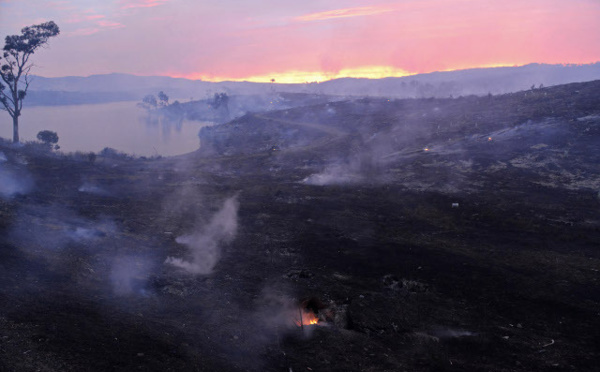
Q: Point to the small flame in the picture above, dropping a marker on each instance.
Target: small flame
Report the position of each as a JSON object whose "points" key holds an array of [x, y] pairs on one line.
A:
{"points": [[425, 149], [489, 138], [308, 318]]}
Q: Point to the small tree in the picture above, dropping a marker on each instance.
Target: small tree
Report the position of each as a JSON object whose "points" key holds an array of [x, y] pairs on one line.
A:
{"points": [[221, 101], [149, 102], [49, 138], [164, 99], [15, 67]]}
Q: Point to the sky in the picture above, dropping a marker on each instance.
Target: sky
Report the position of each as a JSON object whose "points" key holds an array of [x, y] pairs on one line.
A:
{"points": [[295, 41]]}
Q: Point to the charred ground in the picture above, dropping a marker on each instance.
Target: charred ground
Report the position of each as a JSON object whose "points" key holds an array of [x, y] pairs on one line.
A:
{"points": [[340, 206]]}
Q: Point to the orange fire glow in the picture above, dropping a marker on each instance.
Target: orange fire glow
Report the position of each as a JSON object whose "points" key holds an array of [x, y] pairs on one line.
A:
{"points": [[308, 318]]}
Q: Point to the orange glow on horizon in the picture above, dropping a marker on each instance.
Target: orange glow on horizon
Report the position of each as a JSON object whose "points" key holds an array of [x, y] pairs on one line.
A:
{"points": [[301, 77], [307, 41]]}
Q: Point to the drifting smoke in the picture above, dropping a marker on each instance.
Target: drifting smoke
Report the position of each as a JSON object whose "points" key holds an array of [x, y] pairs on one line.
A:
{"points": [[92, 231], [452, 333], [277, 313], [89, 188], [334, 174], [129, 275], [12, 181], [88, 250], [183, 203], [47, 228], [276, 310], [366, 165], [204, 245], [444, 334], [10, 184]]}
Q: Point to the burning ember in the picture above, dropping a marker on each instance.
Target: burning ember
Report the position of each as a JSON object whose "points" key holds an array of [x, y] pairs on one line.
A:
{"points": [[306, 317], [307, 312], [425, 149], [489, 138]]}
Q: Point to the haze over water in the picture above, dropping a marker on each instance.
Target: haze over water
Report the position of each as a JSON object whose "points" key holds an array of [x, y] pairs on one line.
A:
{"points": [[92, 127]]}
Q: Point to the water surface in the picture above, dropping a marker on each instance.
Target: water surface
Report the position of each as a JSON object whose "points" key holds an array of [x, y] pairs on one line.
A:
{"points": [[119, 125]]}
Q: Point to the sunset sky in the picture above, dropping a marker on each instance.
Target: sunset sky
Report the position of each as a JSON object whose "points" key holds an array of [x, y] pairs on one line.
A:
{"points": [[308, 40]]}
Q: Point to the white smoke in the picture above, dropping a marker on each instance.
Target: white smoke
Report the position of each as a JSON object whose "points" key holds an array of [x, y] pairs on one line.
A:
{"points": [[86, 230], [335, 174], [204, 245], [129, 275], [12, 183], [47, 229], [9, 185], [90, 188]]}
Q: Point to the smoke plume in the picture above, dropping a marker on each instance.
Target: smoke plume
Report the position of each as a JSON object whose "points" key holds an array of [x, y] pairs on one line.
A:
{"points": [[90, 188], [129, 275], [13, 180], [204, 244]]}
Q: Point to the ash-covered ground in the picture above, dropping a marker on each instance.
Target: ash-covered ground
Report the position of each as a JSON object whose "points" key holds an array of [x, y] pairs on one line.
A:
{"points": [[422, 234]]}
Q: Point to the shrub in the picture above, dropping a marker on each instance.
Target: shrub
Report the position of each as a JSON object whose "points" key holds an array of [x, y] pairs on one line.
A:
{"points": [[49, 138]]}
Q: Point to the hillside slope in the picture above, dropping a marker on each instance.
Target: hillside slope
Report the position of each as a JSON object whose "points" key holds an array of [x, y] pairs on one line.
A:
{"points": [[477, 254]]}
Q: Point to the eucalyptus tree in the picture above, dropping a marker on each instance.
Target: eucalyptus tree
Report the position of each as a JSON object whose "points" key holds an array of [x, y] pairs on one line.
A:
{"points": [[15, 66]]}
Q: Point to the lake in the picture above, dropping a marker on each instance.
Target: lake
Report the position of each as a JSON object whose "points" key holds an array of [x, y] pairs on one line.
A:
{"points": [[119, 125]]}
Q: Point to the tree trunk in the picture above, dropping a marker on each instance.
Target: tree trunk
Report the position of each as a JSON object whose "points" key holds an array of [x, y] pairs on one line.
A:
{"points": [[15, 129]]}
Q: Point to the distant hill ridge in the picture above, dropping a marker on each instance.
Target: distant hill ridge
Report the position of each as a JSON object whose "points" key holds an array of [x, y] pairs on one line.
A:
{"points": [[479, 81]]}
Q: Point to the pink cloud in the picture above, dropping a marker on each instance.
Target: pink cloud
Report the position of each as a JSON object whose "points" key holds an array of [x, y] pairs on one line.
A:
{"points": [[343, 13], [99, 26], [84, 31], [264, 39], [78, 18], [59, 5], [423, 37], [161, 18], [93, 16], [109, 24], [130, 4]]}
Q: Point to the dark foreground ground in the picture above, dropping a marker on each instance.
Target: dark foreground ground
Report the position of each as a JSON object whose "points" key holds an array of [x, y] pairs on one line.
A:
{"points": [[332, 220]]}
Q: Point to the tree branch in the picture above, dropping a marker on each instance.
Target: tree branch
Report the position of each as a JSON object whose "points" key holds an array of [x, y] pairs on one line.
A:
{"points": [[21, 99], [5, 79], [4, 98]]}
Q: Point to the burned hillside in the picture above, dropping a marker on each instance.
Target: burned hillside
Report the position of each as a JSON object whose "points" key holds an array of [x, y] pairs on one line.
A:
{"points": [[548, 132], [366, 234]]}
